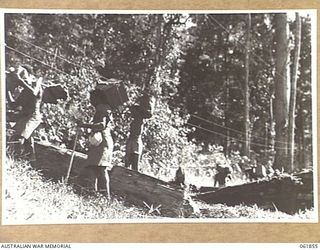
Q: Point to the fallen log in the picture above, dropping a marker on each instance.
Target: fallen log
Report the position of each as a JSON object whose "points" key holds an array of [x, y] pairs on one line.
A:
{"points": [[305, 191], [133, 187], [288, 193], [142, 190]]}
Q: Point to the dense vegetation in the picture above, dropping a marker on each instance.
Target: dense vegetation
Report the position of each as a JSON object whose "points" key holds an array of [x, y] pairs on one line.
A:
{"points": [[195, 64]]}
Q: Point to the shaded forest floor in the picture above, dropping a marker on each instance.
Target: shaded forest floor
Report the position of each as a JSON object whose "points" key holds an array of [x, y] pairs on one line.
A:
{"points": [[30, 198]]}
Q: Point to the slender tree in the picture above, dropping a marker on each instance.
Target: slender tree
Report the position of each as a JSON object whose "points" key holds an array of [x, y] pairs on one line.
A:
{"points": [[303, 119], [293, 90], [281, 89], [247, 90]]}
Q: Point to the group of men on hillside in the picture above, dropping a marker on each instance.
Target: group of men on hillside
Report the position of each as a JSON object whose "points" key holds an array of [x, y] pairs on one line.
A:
{"points": [[24, 97], [25, 94]]}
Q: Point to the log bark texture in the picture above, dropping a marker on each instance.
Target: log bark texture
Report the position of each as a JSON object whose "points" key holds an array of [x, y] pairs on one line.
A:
{"points": [[288, 193], [133, 187]]}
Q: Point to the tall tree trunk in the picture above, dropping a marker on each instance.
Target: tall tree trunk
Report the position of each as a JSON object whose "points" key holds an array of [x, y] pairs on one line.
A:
{"points": [[153, 72], [247, 91], [226, 119], [299, 122], [281, 88], [293, 90], [162, 32], [272, 127], [227, 105]]}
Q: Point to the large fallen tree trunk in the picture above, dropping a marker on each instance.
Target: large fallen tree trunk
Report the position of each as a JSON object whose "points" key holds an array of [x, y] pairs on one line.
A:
{"points": [[134, 187], [288, 193]]}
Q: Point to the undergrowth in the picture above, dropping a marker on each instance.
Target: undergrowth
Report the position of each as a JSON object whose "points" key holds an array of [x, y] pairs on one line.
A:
{"points": [[249, 212], [30, 198]]}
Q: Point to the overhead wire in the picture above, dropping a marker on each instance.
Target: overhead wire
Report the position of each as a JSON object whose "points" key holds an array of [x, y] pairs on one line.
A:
{"points": [[61, 71], [227, 128], [37, 60], [47, 51], [77, 65], [210, 18], [58, 56], [230, 137], [234, 130]]}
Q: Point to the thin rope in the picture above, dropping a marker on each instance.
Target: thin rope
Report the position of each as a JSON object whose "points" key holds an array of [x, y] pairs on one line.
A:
{"points": [[223, 135], [239, 132], [52, 53], [35, 59], [227, 128], [79, 66], [234, 130]]}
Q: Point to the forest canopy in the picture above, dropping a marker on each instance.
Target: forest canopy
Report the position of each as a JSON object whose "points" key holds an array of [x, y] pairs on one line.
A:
{"points": [[222, 82]]}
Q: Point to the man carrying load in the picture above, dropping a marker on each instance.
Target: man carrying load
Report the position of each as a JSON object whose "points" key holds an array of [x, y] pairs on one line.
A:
{"points": [[134, 143]]}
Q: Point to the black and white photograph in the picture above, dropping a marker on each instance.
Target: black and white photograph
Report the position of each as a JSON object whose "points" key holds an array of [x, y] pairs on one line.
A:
{"points": [[158, 116]]}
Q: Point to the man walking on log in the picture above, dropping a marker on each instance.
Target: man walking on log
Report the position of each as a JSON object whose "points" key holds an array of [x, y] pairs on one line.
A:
{"points": [[223, 173], [28, 105], [99, 160], [134, 143]]}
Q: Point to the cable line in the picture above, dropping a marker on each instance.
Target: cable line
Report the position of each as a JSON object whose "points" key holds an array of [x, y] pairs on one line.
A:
{"points": [[241, 140], [47, 51], [35, 59], [79, 66], [52, 53], [190, 124], [227, 128]]}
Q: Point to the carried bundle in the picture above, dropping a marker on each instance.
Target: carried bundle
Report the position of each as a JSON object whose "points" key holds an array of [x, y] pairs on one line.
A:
{"points": [[53, 93], [114, 92]]}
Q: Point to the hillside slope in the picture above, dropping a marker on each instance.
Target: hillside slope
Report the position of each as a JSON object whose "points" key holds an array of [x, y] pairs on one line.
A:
{"points": [[30, 199]]}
